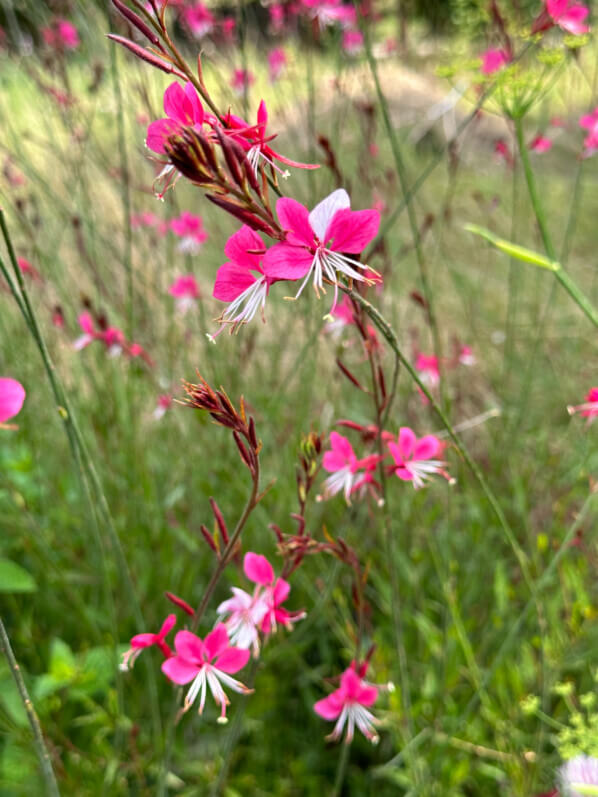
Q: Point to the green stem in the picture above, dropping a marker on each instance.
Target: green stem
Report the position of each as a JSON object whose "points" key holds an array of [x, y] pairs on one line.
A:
{"points": [[341, 769], [38, 737]]}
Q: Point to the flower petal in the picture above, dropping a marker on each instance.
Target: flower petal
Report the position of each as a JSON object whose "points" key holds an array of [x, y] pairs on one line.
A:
{"points": [[143, 640], [407, 440], [232, 660], [258, 569], [179, 670], [427, 447], [281, 591], [323, 213], [216, 641], [240, 246], [294, 218], [176, 105], [287, 262], [231, 281], [352, 230], [330, 707], [12, 396], [189, 647]]}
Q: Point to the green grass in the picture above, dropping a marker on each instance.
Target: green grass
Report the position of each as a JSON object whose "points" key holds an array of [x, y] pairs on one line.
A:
{"points": [[474, 648]]}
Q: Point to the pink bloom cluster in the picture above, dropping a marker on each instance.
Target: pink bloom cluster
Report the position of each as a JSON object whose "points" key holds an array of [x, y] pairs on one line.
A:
{"points": [[247, 615], [61, 35], [113, 339], [415, 460]]}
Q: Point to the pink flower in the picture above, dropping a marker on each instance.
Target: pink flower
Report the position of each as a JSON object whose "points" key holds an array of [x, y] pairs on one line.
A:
{"points": [[186, 292], [241, 80], [349, 705], [89, 332], [182, 108], [327, 12], [348, 472], [255, 142], [277, 17], [590, 123], [501, 150], [540, 144], [141, 641], [12, 396], [466, 356], [29, 269], [493, 60], [199, 19], [275, 591], [277, 61], [427, 368], [589, 409], [342, 316], [61, 35], [163, 405], [316, 242], [589, 120], [415, 460], [189, 229], [205, 663], [352, 42], [567, 14], [144, 219], [227, 26], [242, 281]]}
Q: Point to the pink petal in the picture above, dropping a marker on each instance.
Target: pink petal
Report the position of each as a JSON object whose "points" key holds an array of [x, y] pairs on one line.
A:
{"points": [[86, 323], [323, 213], [350, 683], [367, 695], [216, 642], [427, 447], [341, 455], [189, 646], [179, 670], [294, 218], [407, 440], [143, 640], [158, 132], [281, 591], [231, 281], [352, 230], [239, 246], [12, 396], [262, 115], [232, 660], [330, 707], [258, 569], [167, 626], [287, 262], [572, 21], [197, 112], [176, 104]]}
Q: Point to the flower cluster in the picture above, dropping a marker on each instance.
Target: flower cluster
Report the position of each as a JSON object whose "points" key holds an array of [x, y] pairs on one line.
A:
{"points": [[113, 339]]}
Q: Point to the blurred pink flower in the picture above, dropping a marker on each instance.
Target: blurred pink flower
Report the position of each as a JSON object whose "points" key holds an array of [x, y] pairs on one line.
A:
{"points": [[242, 281], [327, 12], [466, 356], [141, 641], [590, 123], [206, 663], [277, 17], [190, 230], [228, 26], [163, 405], [540, 144], [589, 409], [61, 35], [502, 151], [186, 292], [144, 219], [12, 396], [318, 242], [349, 705], [493, 60], [427, 368], [415, 460], [241, 80], [199, 19], [569, 15], [352, 42], [576, 773], [277, 61], [29, 269]]}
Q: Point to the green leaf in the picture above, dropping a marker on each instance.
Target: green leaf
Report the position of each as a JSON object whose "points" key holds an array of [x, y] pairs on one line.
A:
{"points": [[14, 578], [514, 250]]}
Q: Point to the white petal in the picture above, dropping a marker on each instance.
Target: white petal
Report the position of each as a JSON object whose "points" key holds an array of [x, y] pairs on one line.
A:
{"points": [[322, 214]]}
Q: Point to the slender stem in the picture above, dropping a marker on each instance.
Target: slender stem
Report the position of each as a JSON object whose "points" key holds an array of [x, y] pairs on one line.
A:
{"points": [[38, 737], [229, 550], [341, 769], [562, 276]]}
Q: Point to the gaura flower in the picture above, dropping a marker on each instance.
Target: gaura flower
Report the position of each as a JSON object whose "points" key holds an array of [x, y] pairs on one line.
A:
{"points": [[242, 281], [62, 35], [567, 14], [241, 80], [428, 370], [186, 292], [275, 592], [348, 473], [163, 405], [589, 409], [204, 663], [349, 705], [576, 773], [141, 641], [317, 243], [183, 108], [12, 396], [352, 42], [198, 18], [189, 229], [493, 60], [327, 12], [416, 460], [466, 356], [277, 61], [540, 144]]}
